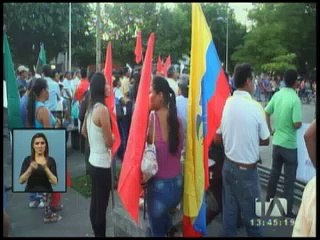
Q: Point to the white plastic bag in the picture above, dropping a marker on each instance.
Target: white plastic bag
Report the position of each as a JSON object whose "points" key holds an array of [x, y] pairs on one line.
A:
{"points": [[149, 164]]}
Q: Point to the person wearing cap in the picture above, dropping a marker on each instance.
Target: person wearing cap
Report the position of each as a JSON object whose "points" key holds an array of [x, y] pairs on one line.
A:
{"points": [[22, 79], [182, 105], [171, 79]]}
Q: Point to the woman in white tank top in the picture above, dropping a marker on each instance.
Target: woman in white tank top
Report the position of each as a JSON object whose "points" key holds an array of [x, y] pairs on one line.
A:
{"points": [[97, 129]]}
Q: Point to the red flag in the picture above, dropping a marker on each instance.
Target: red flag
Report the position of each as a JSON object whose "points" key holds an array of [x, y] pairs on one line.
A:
{"points": [[138, 50], [166, 66], [129, 186], [110, 100], [159, 66], [81, 89]]}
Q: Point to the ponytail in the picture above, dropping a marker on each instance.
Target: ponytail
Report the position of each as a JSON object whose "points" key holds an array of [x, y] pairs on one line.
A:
{"points": [[38, 85], [160, 84], [31, 109], [173, 123]]}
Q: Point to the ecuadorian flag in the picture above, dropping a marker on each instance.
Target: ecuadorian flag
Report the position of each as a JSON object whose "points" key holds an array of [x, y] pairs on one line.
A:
{"points": [[208, 91]]}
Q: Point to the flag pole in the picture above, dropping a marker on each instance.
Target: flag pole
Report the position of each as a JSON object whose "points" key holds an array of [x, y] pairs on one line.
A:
{"points": [[142, 50], [70, 36], [36, 69]]}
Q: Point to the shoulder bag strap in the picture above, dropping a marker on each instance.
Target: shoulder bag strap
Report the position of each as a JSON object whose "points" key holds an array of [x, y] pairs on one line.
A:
{"points": [[154, 125]]}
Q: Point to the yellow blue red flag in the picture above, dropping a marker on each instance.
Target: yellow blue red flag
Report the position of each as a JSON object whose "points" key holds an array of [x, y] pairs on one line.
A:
{"points": [[208, 91]]}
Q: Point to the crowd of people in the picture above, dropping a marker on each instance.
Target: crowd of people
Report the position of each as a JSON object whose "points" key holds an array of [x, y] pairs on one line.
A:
{"points": [[56, 100], [267, 85]]}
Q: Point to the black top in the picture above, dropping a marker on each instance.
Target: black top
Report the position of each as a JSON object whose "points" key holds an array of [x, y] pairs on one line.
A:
{"points": [[38, 181]]}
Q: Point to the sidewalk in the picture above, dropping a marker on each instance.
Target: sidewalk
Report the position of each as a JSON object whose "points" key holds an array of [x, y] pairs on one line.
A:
{"points": [[27, 222]]}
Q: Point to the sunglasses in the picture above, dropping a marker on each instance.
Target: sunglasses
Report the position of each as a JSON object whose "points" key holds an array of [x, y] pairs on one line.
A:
{"points": [[41, 143]]}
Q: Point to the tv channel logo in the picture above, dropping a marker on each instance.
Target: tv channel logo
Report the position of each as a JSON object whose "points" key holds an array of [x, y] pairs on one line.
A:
{"points": [[275, 207]]}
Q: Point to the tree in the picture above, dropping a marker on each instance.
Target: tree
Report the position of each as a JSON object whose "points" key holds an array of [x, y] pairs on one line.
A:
{"points": [[280, 64], [280, 29], [29, 24], [172, 27]]}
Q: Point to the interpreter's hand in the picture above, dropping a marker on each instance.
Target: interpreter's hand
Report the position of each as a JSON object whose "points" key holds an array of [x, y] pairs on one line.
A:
{"points": [[43, 164], [112, 136], [33, 166]]}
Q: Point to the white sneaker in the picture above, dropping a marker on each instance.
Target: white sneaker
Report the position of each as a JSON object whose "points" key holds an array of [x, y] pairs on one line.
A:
{"points": [[36, 204], [41, 204], [33, 204]]}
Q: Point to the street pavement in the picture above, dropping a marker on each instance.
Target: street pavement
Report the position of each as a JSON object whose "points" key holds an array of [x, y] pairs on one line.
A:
{"points": [[27, 222]]}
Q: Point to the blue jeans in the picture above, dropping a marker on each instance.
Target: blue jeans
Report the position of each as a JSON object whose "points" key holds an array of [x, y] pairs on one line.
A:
{"points": [[240, 189], [162, 195], [288, 158], [35, 197]]}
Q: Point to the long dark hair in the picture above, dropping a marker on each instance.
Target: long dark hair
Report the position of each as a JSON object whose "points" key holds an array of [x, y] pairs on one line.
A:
{"points": [[136, 77], [97, 86], [160, 84], [38, 86], [39, 135]]}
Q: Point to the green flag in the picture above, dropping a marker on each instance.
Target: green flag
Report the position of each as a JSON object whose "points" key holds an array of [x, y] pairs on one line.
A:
{"points": [[42, 55], [14, 117], [42, 60]]}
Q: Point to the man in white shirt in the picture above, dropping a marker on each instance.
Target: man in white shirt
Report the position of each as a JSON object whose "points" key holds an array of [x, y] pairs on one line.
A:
{"points": [[54, 89], [68, 90], [75, 81], [243, 128], [172, 75], [67, 83], [182, 105]]}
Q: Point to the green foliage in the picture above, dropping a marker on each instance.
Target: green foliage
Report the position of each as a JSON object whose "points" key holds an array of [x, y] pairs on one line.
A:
{"points": [[261, 46], [82, 185], [172, 27], [29, 24], [279, 29], [280, 63]]}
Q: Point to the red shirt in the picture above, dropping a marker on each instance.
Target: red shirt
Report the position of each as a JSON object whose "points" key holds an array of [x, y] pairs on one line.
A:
{"points": [[82, 87]]}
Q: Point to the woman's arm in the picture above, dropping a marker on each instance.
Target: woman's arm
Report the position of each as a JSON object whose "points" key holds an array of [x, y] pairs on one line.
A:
{"points": [[51, 176], [310, 140], [150, 128], [43, 116], [26, 171], [84, 127], [104, 120]]}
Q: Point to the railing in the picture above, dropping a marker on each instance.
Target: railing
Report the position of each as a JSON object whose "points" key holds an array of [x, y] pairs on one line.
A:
{"points": [[264, 174]]}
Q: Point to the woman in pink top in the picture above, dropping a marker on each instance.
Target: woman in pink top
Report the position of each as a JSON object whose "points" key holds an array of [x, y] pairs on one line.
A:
{"points": [[164, 190]]}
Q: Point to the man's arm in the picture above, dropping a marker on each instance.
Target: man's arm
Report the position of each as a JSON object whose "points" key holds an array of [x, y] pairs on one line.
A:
{"points": [[218, 139], [269, 123], [264, 142], [264, 128], [310, 140], [297, 125]]}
